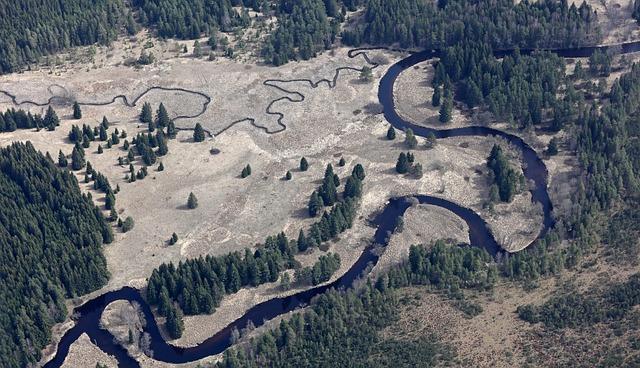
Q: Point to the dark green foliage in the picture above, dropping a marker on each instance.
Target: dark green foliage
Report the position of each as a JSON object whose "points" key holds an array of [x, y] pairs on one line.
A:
{"points": [[636, 10], [315, 204], [51, 120], [402, 165], [192, 201], [552, 148], [77, 158], [445, 111], [416, 23], [174, 323], [577, 309], [321, 271], [128, 224], [358, 172], [600, 64], [146, 115], [246, 171], [328, 191], [174, 239], [161, 140], [410, 139], [437, 96], [506, 178], [62, 159], [31, 29], [161, 167], [303, 30], [342, 162], [77, 112], [391, 133], [304, 165], [189, 19], [198, 133], [162, 117], [50, 236], [288, 175]]}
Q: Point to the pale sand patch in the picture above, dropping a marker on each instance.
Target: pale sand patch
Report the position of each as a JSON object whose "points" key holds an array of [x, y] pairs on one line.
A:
{"points": [[83, 353]]}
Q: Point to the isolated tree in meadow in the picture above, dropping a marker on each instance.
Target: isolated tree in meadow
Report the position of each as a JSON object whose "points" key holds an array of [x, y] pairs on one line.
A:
{"points": [[402, 165], [146, 115], [288, 175], [100, 150], [198, 133], [410, 139], [342, 162], [162, 116], [304, 165], [105, 123], [246, 171], [127, 224], [174, 239], [161, 166], [171, 130], [366, 74], [192, 201], [391, 133], [77, 112]]}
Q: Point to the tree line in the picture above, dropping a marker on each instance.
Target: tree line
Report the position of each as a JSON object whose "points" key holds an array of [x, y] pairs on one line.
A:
{"points": [[51, 237]]}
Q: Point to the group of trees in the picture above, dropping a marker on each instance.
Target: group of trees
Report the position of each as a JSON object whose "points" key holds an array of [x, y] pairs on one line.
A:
{"points": [[321, 271], [51, 237], [197, 286], [584, 309], [303, 30], [406, 164], [507, 182], [14, 119], [161, 121], [327, 194], [500, 24], [31, 28], [342, 326]]}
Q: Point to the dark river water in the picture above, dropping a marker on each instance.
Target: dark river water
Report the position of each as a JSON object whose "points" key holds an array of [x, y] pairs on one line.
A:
{"points": [[534, 170]]}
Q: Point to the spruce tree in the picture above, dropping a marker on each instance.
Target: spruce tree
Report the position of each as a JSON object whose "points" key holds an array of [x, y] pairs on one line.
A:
{"points": [[315, 204], [62, 159], [146, 115], [77, 112], [288, 175], [77, 159], [358, 172], [402, 165], [105, 123], [198, 133], [437, 95], [100, 150], [445, 111], [391, 133], [161, 166], [410, 139], [304, 165], [51, 120], [162, 116], [192, 201], [342, 162]]}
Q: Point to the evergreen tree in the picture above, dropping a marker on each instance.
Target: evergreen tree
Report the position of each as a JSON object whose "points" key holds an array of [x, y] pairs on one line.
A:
{"points": [[62, 159], [192, 201], [198, 133], [174, 323], [552, 148], [410, 139], [445, 111], [128, 224], [146, 116], [304, 165], [77, 112], [402, 165], [197, 49], [342, 162], [358, 172], [391, 133], [51, 120], [77, 159], [161, 166], [288, 175], [105, 123], [315, 204], [435, 100], [162, 116]]}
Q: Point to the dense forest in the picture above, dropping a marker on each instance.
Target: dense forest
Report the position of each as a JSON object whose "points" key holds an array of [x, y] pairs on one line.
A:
{"points": [[30, 29], [51, 237], [438, 24]]}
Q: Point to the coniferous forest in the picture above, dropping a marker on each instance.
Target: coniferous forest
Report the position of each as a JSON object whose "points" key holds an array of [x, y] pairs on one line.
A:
{"points": [[51, 237]]}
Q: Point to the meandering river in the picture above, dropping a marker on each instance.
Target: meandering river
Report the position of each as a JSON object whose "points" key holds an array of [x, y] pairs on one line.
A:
{"points": [[534, 170]]}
